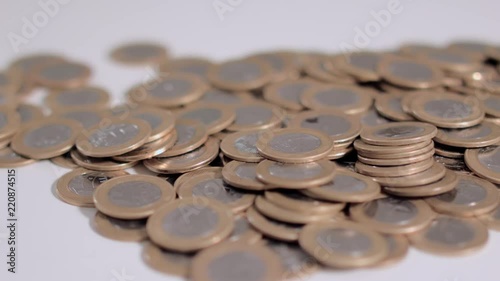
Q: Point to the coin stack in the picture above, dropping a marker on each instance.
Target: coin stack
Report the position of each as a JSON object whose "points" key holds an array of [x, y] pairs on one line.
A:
{"points": [[273, 165]]}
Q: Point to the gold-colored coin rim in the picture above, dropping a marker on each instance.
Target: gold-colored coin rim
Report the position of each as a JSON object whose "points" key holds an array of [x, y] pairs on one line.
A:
{"points": [[289, 71], [270, 229], [152, 255], [104, 227], [186, 176], [407, 160], [74, 82], [379, 151], [492, 138], [433, 174], [313, 206], [250, 236], [174, 65], [473, 163], [229, 150], [265, 77], [401, 249], [85, 162], [164, 128], [276, 119], [199, 138], [362, 74], [383, 108], [394, 171], [384, 69], [117, 54], [227, 116], [271, 93], [102, 103], [19, 163], [12, 124], [363, 104], [149, 150], [447, 183], [367, 134], [230, 177]]}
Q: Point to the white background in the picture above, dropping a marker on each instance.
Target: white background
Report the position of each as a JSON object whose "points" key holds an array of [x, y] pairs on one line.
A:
{"points": [[55, 239]]}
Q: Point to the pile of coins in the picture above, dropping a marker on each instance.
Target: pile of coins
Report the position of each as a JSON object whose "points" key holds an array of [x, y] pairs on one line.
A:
{"points": [[275, 165]]}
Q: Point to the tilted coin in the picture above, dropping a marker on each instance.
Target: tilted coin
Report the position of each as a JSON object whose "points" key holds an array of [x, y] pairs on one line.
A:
{"points": [[62, 74], [294, 145], [392, 215], [273, 228], [324, 69], [451, 60], [118, 229], [371, 118], [240, 75], [191, 134], [446, 184], [132, 196], [99, 164], [166, 261], [455, 164], [243, 231], [241, 146], [149, 150], [236, 261], [389, 106], [161, 121], [297, 263], [46, 138], [215, 117], [297, 201], [87, 117], [139, 53], [10, 81], [392, 151], [64, 161], [343, 244], [287, 93], [282, 65], [349, 99], [295, 176], [27, 65], [192, 65], [449, 151], [77, 187], [480, 135], [10, 122], [485, 162], [256, 115], [188, 225], [450, 236], [242, 175], [471, 196], [10, 159], [409, 73], [361, 65], [186, 176], [117, 137], [85, 96], [492, 219], [400, 133], [407, 161], [218, 96], [435, 173], [398, 248]]}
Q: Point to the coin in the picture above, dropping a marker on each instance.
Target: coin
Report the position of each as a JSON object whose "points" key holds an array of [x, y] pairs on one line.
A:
{"points": [[99, 164], [161, 121], [240, 75], [346, 186], [10, 81], [391, 151], [273, 228], [435, 173], [389, 106], [191, 224], [191, 135], [400, 133], [398, 248], [446, 184], [451, 60], [491, 105], [149, 150], [222, 97], [10, 122], [87, 117], [485, 162], [195, 159], [449, 151], [480, 135], [282, 65], [132, 196], [421, 156], [295, 176], [492, 219], [119, 136], [118, 229], [241, 146], [343, 244], [409, 73], [215, 117], [45, 138], [243, 231], [447, 110], [84, 96], [166, 261], [297, 263], [349, 99], [473, 48], [10, 159], [62, 74], [212, 186], [192, 65], [392, 215], [186, 176], [457, 165], [77, 187], [242, 175], [236, 261], [287, 93], [27, 66], [450, 236], [323, 68], [471, 196], [64, 161], [139, 53], [361, 65], [371, 118], [294, 145], [174, 90], [256, 116], [339, 126]]}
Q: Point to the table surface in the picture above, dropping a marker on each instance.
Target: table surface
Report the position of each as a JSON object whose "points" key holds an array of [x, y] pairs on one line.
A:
{"points": [[55, 240]]}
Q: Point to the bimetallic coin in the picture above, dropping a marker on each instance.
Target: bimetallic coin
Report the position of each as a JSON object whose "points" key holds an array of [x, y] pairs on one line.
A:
{"points": [[166, 261], [393, 216], [242, 175], [29, 112], [119, 136], [471, 196], [485, 162], [447, 110], [46, 138], [215, 117], [451, 60], [282, 65], [294, 145], [243, 231], [394, 171], [297, 263], [400, 133], [295, 176], [361, 65], [10, 159], [77, 187], [85, 96], [64, 161], [99, 164], [149, 150], [324, 69], [450, 236], [10, 122], [492, 219], [26, 66], [161, 121], [240, 75], [273, 228], [297, 201], [256, 116], [191, 65], [242, 146], [62, 74], [236, 261], [371, 118], [191, 134], [480, 135], [191, 224], [398, 248], [87, 117], [133, 196], [389, 106], [118, 229], [410, 73], [139, 53], [346, 186], [435, 173], [349, 99], [446, 184], [343, 244], [222, 97], [412, 49], [392, 152], [287, 93]]}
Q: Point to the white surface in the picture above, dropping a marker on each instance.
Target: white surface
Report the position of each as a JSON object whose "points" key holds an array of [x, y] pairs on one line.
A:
{"points": [[55, 239]]}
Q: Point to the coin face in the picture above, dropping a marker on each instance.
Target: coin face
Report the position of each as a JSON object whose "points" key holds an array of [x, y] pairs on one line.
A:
{"points": [[485, 162], [473, 48], [471, 196], [362, 65], [371, 118], [287, 93], [139, 53], [118, 137], [492, 105], [295, 176], [400, 133], [222, 97], [451, 60], [242, 146], [62, 74], [28, 65], [133, 196], [167, 261], [281, 63], [10, 122], [256, 115], [149, 150], [297, 263], [410, 73], [349, 99], [243, 231], [10, 159], [87, 117], [240, 75], [77, 187], [192, 65], [85, 96], [450, 236], [480, 135], [191, 224], [242, 175], [161, 121], [446, 184], [46, 138], [215, 117], [99, 164], [294, 145], [389, 106], [191, 134], [343, 244], [118, 229], [273, 228], [245, 262]]}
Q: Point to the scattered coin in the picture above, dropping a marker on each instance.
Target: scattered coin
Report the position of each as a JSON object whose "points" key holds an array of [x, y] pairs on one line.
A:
{"points": [[10, 122], [215, 117], [85, 96], [222, 97], [240, 75], [28, 65], [297, 201], [435, 173], [99, 164], [371, 118], [186, 176], [323, 68], [400, 133], [297, 263], [409, 73], [166, 261], [118, 229], [191, 65], [485, 162], [273, 228], [451, 60], [64, 161], [242, 175], [473, 48], [62, 74], [243, 231], [449, 151], [191, 135], [140, 53], [241, 146], [149, 150], [349, 99], [282, 65], [10, 159], [362, 65], [161, 121], [398, 248], [287, 93], [480, 135], [10, 81], [446, 184], [87, 117], [492, 219], [256, 116], [389, 106]]}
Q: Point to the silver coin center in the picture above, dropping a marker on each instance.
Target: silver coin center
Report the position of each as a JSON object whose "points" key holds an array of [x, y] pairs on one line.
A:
{"points": [[450, 231], [84, 185], [489, 157], [347, 184], [247, 143], [191, 221], [134, 194], [240, 72], [170, 88], [401, 131], [391, 211], [337, 97], [206, 116], [466, 193], [344, 241], [448, 109], [411, 71], [253, 115], [217, 189], [237, 265], [78, 97], [113, 135], [295, 143], [246, 171], [48, 136]]}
